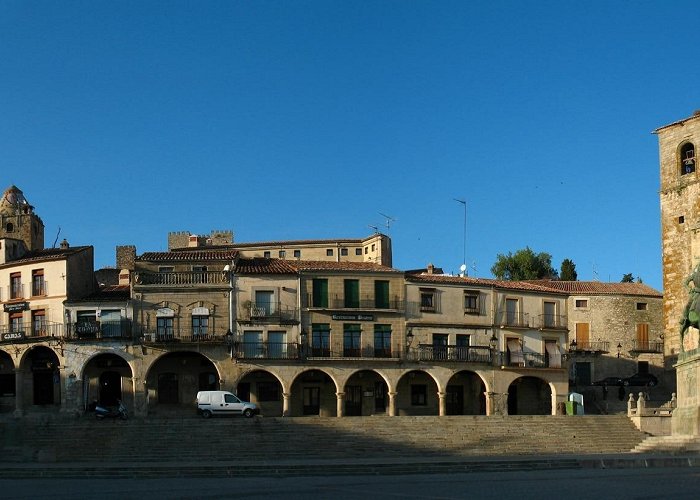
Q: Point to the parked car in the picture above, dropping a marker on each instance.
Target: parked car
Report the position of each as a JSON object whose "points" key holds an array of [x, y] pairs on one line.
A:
{"points": [[609, 381], [641, 379], [223, 403]]}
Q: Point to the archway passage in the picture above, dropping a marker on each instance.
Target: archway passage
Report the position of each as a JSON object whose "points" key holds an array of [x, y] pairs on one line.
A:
{"points": [[529, 396], [45, 376], [366, 393], [262, 388], [7, 383], [314, 393], [417, 394], [465, 394], [175, 378], [106, 380]]}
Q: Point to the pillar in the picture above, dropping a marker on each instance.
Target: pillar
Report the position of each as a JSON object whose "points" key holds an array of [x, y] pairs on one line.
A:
{"points": [[285, 404], [392, 403], [442, 403], [140, 389], [341, 403], [19, 392]]}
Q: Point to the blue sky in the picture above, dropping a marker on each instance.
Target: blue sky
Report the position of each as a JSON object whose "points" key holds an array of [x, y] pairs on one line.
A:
{"points": [[122, 121]]}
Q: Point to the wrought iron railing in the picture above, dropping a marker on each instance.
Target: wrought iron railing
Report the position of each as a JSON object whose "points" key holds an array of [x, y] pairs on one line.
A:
{"points": [[104, 330], [650, 346], [553, 321], [181, 278], [174, 335], [265, 350], [268, 312], [348, 353], [586, 346], [22, 331], [515, 320], [466, 354], [365, 302]]}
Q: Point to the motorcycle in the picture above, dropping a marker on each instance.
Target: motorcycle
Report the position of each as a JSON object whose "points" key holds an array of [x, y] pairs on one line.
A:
{"points": [[118, 411]]}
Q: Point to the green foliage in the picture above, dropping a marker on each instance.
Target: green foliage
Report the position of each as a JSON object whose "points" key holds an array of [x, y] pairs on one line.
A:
{"points": [[627, 278], [523, 265], [568, 271]]}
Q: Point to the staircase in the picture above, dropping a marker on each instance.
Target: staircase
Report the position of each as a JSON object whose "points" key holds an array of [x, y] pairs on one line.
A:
{"points": [[668, 444], [192, 439]]}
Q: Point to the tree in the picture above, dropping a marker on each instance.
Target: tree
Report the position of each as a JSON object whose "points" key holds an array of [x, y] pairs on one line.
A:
{"points": [[568, 270], [523, 265], [627, 278]]}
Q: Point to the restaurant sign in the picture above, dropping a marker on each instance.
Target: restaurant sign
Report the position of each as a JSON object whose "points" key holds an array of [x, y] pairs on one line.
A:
{"points": [[353, 317], [20, 306]]}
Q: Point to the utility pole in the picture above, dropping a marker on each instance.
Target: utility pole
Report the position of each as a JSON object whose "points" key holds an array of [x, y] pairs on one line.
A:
{"points": [[463, 267]]}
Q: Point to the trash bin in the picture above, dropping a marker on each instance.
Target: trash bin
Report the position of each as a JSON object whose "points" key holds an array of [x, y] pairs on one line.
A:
{"points": [[576, 397], [571, 408]]}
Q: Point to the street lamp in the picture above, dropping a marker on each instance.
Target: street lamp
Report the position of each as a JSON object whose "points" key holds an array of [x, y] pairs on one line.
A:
{"points": [[619, 349], [409, 337]]}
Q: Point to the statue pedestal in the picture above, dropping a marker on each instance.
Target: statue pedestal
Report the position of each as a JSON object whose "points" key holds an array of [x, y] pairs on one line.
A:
{"points": [[686, 416]]}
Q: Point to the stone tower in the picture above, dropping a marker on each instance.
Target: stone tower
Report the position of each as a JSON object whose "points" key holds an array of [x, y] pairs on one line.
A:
{"points": [[680, 219], [18, 220]]}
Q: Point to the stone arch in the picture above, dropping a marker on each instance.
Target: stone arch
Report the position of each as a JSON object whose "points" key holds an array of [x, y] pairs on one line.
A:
{"points": [[264, 388], [173, 379], [7, 382], [417, 394], [366, 393], [465, 394], [106, 378], [313, 392], [40, 377], [686, 158], [530, 396]]}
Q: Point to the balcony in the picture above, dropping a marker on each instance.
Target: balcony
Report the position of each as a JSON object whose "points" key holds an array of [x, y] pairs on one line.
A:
{"points": [[647, 346], [268, 313], [514, 320], [464, 354], [349, 353], [552, 322], [363, 303], [101, 330], [589, 347], [181, 279], [265, 350], [183, 335], [28, 331]]}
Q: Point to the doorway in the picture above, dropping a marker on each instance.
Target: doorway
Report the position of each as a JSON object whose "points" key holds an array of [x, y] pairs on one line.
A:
{"points": [[312, 401], [110, 388], [455, 400], [353, 400]]}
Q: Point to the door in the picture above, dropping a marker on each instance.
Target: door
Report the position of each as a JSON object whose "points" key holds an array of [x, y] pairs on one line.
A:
{"points": [[168, 388], [312, 400], [440, 346], [228, 404], [380, 397], [277, 345], [353, 400], [252, 344], [43, 386], [583, 336], [462, 349], [264, 303], [455, 400], [110, 388]]}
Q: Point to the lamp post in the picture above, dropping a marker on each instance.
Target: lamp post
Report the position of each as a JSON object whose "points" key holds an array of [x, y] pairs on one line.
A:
{"points": [[619, 350], [409, 338], [493, 344]]}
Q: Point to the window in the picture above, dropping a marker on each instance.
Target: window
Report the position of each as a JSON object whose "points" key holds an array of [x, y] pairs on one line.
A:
{"points": [[343, 251], [681, 219], [166, 269], [329, 252], [253, 344], [16, 322], [86, 325], [297, 254], [9, 227], [687, 159], [366, 250], [641, 306], [320, 292], [16, 286], [581, 303], [462, 346], [268, 391], [511, 311], [39, 323], [320, 339], [643, 336], [352, 293], [164, 328], [419, 395], [200, 325], [427, 299], [583, 335], [471, 302], [550, 317], [358, 251], [264, 303], [266, 254], [440, 345], [38, 284], [351, 340], [277, 345], [373, 247], [282, 254], [381, 294], [382, 341]]}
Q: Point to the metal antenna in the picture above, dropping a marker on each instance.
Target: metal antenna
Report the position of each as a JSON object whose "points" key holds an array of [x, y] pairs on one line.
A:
{"points": [[464, 255], [376, 229], [389, 220]]}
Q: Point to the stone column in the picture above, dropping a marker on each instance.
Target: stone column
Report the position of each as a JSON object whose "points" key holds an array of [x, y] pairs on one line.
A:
{"points": [[341, 403], [285, 404], [496, 403], [442, 403], [140, 389], [19, 392], [392, 403]]}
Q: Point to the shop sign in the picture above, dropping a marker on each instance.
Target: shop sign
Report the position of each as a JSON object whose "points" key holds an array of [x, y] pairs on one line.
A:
{"points": [[12, 336], [20, 306], [353, 317]]}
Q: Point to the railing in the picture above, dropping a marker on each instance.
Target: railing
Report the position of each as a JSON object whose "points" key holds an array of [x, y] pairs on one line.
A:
{"points": [[467, 354], [265, 350], [268, 312], [553, 321], [515, 320], [105, 330], [599, 346], [367, 302], [175, 335], [22, 331], [183, 278], [647, 346], [348, 353], [40, 288]]}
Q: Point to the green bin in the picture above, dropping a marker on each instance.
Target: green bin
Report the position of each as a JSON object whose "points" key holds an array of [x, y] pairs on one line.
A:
{"points": [[571, 408]]}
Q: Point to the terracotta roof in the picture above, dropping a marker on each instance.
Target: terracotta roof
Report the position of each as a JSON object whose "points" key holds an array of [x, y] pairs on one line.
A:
{"points": [[322, 265], [466, 280], [46, 254], [678, 122], [297, 242], [196, 255], [601, 288], [261, 265]]}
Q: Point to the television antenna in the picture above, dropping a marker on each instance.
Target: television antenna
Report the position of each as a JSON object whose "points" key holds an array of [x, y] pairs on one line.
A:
{"points": [[376, 229], [464, 254], [389, 220]]}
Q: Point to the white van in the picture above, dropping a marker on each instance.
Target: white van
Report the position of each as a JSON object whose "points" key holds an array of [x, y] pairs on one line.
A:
{"points": [[223, 403]]}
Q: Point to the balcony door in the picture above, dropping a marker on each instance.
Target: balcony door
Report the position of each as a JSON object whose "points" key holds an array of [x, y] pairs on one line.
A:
{"points": [[252, 344], [583, 339], [353, 400], [440, 346], [264, 303]]}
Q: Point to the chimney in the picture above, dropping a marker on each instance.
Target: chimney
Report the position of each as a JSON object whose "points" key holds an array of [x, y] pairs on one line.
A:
{"points": [[64, 244], [431, 268]]}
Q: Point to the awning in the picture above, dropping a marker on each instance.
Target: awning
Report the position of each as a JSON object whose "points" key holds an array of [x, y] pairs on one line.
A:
{"points": [[516, 352], [554, 354]]}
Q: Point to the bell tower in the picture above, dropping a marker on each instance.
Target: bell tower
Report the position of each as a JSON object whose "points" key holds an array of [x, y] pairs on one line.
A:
{"points": [[18, 220]]}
